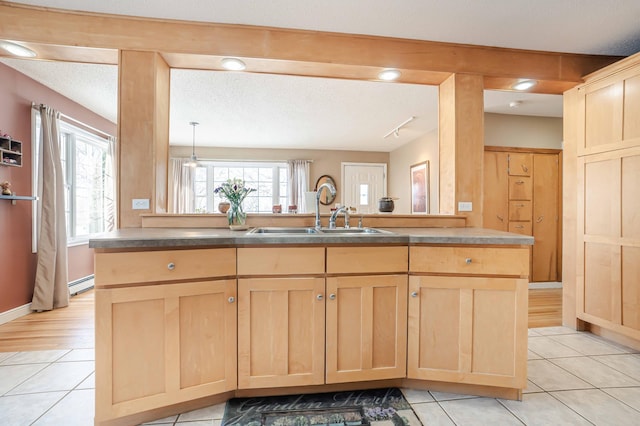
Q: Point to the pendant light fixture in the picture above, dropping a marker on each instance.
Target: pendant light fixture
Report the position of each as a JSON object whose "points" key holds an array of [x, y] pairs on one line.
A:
{"points": [[193, 161]]}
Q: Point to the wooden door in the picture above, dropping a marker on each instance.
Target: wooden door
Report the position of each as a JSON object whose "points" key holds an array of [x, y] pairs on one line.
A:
{"points": [[164, 344], [468, 330], [366, 328], [546, 216], [496, 191], [280, 332]]}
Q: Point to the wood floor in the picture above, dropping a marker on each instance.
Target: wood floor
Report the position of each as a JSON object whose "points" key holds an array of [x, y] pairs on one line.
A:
{"points": [[66, 328], [72, 327]]}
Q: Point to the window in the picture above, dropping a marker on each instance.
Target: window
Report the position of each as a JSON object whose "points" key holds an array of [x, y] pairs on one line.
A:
{"points": [[269, 180], [88, 181]]}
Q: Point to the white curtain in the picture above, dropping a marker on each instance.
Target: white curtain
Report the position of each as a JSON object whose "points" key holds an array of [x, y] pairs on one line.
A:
{"points": [[110, 187], [182, 192], [298, 171], [51, 291]]}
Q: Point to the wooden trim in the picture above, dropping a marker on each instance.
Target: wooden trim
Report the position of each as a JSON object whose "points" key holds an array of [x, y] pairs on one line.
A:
{"points": [[523, 150], [52, 26]]}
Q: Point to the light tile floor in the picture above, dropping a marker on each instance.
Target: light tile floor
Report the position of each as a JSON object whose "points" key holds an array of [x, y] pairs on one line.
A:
{"points": [[574, 379]]}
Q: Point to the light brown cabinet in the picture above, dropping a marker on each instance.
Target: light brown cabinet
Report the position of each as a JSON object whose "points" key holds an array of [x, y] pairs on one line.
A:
{"points": [[602, 143], [466, 325], [283, 333], [167, 343], [522, 195], [366, 314]]}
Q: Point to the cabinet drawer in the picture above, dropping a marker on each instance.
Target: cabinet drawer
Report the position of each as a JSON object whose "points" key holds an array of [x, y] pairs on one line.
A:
{"points": [[344, 260], [520, 188], [520, 210], [524, 228], [470, 260], [280, 260], [164, 265], [520, 164]]}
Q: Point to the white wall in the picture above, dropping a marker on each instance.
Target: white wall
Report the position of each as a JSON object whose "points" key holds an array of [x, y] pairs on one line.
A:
{"points": [[400, 161], [522, 131]]}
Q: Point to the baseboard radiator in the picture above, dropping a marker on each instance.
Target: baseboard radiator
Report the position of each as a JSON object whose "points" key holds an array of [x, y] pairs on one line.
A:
{"points": [[81, 284]]}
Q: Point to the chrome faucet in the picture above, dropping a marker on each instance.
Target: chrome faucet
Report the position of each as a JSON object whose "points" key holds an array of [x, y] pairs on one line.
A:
{"points": [[334, 216], [329, 187]]}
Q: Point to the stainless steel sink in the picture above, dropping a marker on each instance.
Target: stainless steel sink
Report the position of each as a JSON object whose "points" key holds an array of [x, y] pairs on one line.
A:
{"points": [[313, 231], [282, 230], [353, 231]]}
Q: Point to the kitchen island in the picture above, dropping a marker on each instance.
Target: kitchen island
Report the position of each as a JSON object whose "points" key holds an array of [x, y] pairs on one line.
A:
{"points": [[190, 317]]}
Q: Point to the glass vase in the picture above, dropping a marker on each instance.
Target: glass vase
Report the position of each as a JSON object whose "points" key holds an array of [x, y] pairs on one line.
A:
{"points": [[236, 216]]}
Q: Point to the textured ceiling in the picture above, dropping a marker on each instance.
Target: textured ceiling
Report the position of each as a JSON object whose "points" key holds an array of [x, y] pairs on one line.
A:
{"points": [[254, 110]]}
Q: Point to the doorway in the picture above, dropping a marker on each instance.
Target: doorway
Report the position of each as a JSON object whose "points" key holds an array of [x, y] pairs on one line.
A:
{"points": [[363, 185]]}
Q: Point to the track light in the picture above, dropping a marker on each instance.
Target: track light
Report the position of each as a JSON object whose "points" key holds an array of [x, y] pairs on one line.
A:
{"points": [[396, 130]]}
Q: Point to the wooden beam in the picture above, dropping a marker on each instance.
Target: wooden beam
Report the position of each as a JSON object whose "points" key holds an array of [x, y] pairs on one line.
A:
{"points": [[359, 56], [461, 145], [143, 133]]}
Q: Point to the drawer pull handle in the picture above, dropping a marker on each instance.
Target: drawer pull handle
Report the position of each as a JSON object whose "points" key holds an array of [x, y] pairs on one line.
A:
{"points": [[519, 182], [500, 218], [539, 219], [468, 261], [519, 205], [232, 299], [519, 226], [319, 297], [414, 294], [524, 168], [332, 296], [171, 266]]}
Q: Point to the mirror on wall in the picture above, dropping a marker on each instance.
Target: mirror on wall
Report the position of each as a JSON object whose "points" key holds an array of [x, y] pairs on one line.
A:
{"points": [[326, 197]]}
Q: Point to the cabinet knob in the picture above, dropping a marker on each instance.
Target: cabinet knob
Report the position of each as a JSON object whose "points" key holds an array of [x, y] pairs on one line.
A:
{"points": [[171, 266], [468, 261], [414, 294], [319, 297], [232, 299], [332, 296]]}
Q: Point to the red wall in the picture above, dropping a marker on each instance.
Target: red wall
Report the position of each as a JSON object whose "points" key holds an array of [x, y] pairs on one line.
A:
{"points": [[17, 263]]}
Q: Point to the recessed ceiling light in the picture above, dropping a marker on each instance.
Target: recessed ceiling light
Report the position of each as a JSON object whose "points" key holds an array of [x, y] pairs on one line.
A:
{"points": [[17, 49], [389, 75], [515, 104], [233, 64], [524, 84]]}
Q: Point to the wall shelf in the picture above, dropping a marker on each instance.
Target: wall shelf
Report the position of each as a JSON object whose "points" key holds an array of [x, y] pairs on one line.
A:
{"points": [[10, 152], [15, 198]]}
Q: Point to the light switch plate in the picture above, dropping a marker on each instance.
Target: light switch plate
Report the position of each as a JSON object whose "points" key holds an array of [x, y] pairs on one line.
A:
{"points": [[140, 204], [465, 206]]}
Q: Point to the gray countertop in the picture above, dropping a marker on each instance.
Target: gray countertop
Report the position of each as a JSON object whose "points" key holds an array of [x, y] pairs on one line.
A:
{"points": [[221, 237]]}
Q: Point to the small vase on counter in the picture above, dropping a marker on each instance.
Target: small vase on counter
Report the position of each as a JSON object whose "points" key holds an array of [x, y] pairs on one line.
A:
{"points": [[237, 217]]}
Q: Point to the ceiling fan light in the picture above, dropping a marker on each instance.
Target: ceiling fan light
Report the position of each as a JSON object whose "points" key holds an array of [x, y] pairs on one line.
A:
{"points": [[233, 64], [389, 75], [524, 84], [17, 49]]}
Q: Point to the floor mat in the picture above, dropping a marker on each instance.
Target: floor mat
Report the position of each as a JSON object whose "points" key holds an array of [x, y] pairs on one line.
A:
{"points": [[373, 407]]}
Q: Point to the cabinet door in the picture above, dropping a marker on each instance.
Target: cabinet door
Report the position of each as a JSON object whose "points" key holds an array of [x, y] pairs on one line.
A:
{"points": [[366, 328], [280, 332], [468, 330], [496, 191], [545, 217], [163, 344]]}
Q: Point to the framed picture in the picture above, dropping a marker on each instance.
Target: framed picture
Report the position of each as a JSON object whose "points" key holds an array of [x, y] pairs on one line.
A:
{"points": [[420, 188]]}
